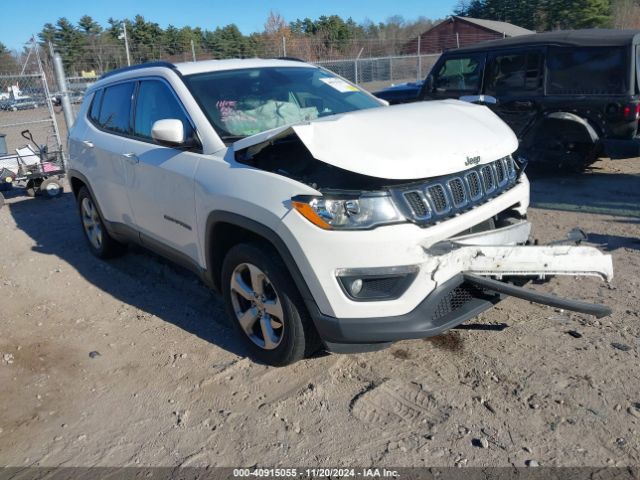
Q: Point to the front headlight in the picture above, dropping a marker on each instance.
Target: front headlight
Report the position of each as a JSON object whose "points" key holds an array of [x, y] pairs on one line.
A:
{"points": [[346, 212]]}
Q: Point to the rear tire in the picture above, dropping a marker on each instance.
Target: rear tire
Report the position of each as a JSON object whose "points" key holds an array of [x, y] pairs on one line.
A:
{"points": [[101, 244], [259, 292]]}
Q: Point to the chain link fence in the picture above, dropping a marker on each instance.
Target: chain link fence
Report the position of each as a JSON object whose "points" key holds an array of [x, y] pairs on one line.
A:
{"points": [[376, 73], [30, 140]]}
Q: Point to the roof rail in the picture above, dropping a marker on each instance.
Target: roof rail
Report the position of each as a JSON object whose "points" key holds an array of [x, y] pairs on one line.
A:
{"points": [[138, 67], [291, 59]]}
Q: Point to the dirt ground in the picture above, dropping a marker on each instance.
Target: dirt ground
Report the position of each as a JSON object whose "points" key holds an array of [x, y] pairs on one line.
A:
{"points": [[131, 362]]}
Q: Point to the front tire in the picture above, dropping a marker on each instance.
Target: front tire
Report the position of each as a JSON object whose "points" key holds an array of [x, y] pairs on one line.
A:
{"points": [[265, 306], [101, 244]]}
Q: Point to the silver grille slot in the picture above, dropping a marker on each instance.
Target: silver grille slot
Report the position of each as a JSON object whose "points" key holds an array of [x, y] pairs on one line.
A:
{"points": [[418, 204], [439, 200], [458, 192], [511, 167], [501, 172], [488, 182], [475, 187]]}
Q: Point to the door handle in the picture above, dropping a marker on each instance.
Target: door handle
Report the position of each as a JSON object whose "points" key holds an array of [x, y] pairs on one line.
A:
{"points": [[131, 157], [87, 144], [523, 103]]}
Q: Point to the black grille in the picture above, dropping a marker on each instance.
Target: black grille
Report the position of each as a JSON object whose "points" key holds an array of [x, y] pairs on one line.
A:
{"points": [[446, 196], [439, 198], [473, 180], [455, 299], [418, 207], [457, 192], [487, 179]]}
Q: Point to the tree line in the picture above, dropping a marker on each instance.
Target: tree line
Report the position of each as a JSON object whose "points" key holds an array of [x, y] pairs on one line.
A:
{"points": [[541, 15], [89, 46]]}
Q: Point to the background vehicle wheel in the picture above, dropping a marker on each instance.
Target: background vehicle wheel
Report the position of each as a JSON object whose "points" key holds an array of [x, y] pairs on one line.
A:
{"points": [[265, 306], [51, 188], [101, 244]]}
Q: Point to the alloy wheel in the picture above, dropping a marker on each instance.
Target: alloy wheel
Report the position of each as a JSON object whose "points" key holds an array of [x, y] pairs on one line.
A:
{"points": [[91, 223], [257, 307]]}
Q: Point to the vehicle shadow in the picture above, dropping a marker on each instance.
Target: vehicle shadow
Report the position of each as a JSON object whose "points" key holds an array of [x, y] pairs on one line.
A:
{"points": [[139, 278], [590, 192], [613, 242]]}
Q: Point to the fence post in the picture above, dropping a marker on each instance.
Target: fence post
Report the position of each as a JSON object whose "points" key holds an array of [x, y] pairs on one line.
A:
{"points": [[419, 76], [356, 65], [64, 92]]}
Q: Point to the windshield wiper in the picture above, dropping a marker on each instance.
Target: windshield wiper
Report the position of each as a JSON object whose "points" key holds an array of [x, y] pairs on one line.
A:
{"points": [[231, 138]]}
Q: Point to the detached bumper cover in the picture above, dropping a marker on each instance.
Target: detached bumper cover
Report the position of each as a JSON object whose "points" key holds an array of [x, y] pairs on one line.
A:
{"points": [[469, 291]]}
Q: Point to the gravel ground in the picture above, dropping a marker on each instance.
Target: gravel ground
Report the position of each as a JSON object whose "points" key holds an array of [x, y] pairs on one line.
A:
{"points": [[131, 362]]}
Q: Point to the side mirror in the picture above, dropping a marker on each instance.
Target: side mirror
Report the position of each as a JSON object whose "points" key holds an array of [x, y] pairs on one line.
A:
{"points": [[428, 84], [169, 131]]}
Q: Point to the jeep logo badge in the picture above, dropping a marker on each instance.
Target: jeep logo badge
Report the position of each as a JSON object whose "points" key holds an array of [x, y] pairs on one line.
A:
{"points": [[472, 161]]}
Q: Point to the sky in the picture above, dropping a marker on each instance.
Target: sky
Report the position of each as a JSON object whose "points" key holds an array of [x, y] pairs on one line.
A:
{"points": [[24, 19]]}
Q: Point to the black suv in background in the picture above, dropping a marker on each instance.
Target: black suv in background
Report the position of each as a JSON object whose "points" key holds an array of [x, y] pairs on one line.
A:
{"points": [[568, 95]]}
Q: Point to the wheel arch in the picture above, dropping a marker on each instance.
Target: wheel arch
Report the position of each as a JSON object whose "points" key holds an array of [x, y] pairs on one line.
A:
{"points": [[570, 123], [226, 229], [77, 181]]}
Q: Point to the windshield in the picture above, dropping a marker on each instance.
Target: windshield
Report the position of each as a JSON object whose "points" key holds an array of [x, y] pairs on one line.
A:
{"points": [[244, 102]]}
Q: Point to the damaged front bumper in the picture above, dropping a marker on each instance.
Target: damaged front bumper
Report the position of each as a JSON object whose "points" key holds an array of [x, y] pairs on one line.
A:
{"points": [[470, 279]]}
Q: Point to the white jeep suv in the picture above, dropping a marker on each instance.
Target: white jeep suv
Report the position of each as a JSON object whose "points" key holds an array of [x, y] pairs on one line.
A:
{"points": [[326, 218]]}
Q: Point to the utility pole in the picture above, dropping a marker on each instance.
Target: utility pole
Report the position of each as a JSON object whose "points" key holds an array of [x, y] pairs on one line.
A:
{"points": [[284, 46], [126, 42], [193, 50]]}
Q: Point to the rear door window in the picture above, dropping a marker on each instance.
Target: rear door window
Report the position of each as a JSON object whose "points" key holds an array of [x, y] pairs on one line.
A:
{"points": [[155, 101], [115, 114], [460, 74], [587, 71], [514, 73]]}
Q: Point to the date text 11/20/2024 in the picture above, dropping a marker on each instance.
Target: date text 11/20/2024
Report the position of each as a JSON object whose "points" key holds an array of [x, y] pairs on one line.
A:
{"points": [[315, 472]]}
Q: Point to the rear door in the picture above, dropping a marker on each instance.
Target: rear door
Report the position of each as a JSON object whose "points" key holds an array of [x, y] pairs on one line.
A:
{"points": [[160, 179], [515, 80], [100, 146]]}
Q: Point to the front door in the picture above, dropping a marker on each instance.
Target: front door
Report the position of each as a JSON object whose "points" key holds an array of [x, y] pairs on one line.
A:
{"points": [[161, 178], [456, 76]]}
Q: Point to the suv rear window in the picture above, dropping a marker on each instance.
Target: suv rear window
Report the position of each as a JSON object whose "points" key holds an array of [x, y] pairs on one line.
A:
{"points": [[115, 114], [584, 71]]}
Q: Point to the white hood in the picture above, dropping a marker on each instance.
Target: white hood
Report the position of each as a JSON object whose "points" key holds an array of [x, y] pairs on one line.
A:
{"points": [[402, 142]]}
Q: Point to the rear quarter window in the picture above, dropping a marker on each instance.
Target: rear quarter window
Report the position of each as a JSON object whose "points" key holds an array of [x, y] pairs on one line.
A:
{"points": [[96, 102], [587, 71]]}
